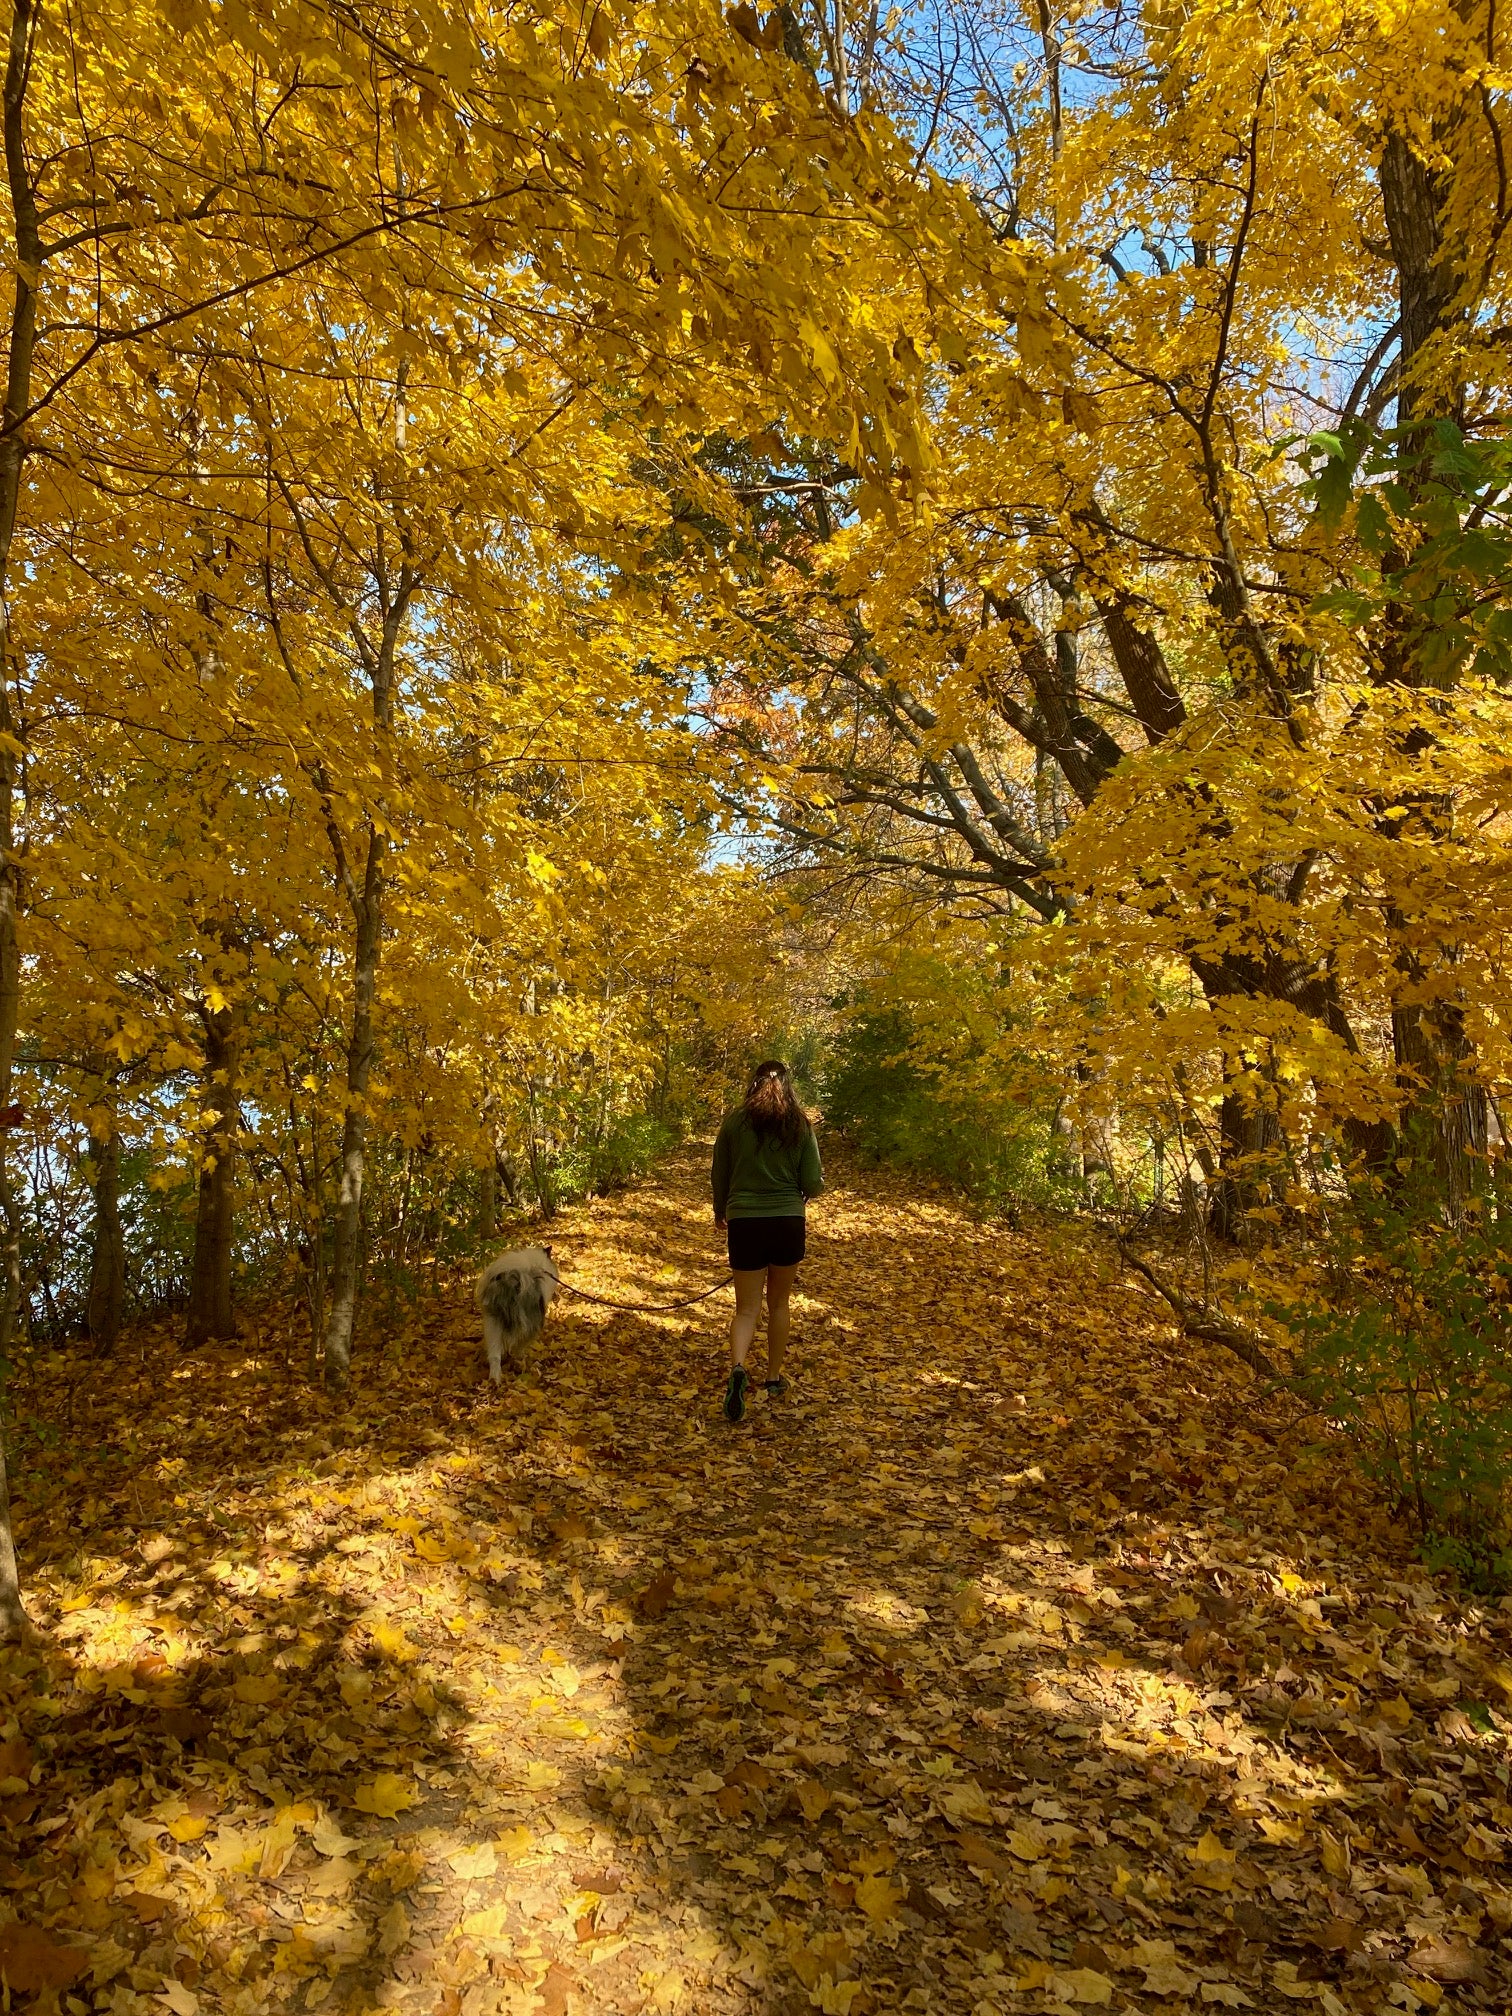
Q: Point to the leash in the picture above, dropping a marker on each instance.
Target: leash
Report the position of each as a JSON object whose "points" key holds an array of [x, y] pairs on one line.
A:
{"points": [[643, 1308]]}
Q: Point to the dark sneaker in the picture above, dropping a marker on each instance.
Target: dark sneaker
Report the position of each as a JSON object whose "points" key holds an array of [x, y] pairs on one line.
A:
{"points": [[776, 1388], [735, 1392]]}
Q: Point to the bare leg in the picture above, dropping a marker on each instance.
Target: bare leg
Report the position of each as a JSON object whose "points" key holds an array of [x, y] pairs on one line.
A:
{"points": [[779, 1286], [747, 1312]]}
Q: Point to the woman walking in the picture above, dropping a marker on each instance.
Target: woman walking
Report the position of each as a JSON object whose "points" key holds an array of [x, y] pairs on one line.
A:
{"points": [[766, 1167]]}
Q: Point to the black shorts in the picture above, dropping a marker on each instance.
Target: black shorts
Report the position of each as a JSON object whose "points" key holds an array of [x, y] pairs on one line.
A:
{"points": [[756, 1243]]}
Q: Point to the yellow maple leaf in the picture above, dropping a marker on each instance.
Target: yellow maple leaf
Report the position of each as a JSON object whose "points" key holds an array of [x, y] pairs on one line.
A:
{"points": [[258, 1689], [965, 1805], [392, 1643], [1212, 1863], [879, 1899], [387, 1795]]}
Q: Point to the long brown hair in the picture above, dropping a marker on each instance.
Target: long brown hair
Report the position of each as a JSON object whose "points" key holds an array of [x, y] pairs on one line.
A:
{"points": [[771, 1104]]}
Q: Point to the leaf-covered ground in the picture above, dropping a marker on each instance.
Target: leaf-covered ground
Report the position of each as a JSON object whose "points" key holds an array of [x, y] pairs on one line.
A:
{"points": [[1016, 1662]]}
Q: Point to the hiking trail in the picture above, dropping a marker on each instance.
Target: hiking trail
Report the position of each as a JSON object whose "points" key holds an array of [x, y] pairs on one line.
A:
{"points": [[1018, 1660]]}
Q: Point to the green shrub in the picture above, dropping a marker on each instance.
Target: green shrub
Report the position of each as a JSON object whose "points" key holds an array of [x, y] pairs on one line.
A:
{"points": [[1409, 1356], [595, 1162], [894, 1108]]}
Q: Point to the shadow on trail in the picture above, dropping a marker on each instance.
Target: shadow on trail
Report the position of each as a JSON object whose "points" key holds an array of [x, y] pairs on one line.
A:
{"points": [[968, 1679]]}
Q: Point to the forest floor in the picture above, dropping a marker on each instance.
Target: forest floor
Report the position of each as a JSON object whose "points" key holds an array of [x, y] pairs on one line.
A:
{"points": [[1020, 1660]]}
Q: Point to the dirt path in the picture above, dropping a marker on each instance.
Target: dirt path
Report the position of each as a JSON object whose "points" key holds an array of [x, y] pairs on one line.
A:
{"points": [[1016, 1662]]}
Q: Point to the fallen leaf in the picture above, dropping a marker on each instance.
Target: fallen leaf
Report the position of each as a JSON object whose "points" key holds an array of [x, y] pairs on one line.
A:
{"points": [[393, 1929], [654, 1598], [965, 1803], [1083, 1984], [16, 1759], [879, 1899], [387, 1795], [32, 1962], [1449, 1960], [557, 1986], [1166, 1976], [812, 1798], [257, 1689]]}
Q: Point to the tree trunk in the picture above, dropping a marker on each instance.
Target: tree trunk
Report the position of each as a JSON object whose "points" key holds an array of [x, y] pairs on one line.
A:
{"points": [[107, 1265], [1446, 1127], [1444, 1110], [488, 1200], [1247, 1136], [25, 263], [210, 1313], [346, 1253]]}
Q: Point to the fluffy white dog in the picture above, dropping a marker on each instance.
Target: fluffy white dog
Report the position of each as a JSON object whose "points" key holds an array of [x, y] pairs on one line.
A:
{"points": [[514, 1292]]}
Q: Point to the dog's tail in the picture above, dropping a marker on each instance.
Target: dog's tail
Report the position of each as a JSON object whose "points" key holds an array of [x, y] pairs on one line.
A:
{"points": [[515, 1300]]}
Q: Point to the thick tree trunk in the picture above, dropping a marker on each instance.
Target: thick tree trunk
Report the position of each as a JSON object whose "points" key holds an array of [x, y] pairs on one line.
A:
{"points": [[347, 1248], [107, 1264], [210, 1314], [1446, 1126], [1444, 1110], [1248, 1135]]}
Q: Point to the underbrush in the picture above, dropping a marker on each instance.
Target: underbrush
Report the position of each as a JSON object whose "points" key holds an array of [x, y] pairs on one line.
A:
{"points": [[1407, 1351], [892, 1107]]}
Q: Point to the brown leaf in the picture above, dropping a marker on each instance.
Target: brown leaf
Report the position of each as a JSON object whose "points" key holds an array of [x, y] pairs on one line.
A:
{"points": [[748, 1772], [811, 1799], [979, 1852], [15, 1758], [183, 1724], [555, 1989], [1448, 1960], [601, 1882], [1087, 1953], [1253, 1922], [31, 1962], [919, 1899], [654, 1598], [1340, 1935], [147, 1907]]}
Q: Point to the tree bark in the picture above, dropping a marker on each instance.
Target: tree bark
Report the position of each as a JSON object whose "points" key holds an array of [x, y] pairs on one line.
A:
{"points": [[488, 1200], [25, 265], [210, 1314], [1247, 1135], [107, 1264], [1444, 1124]]}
